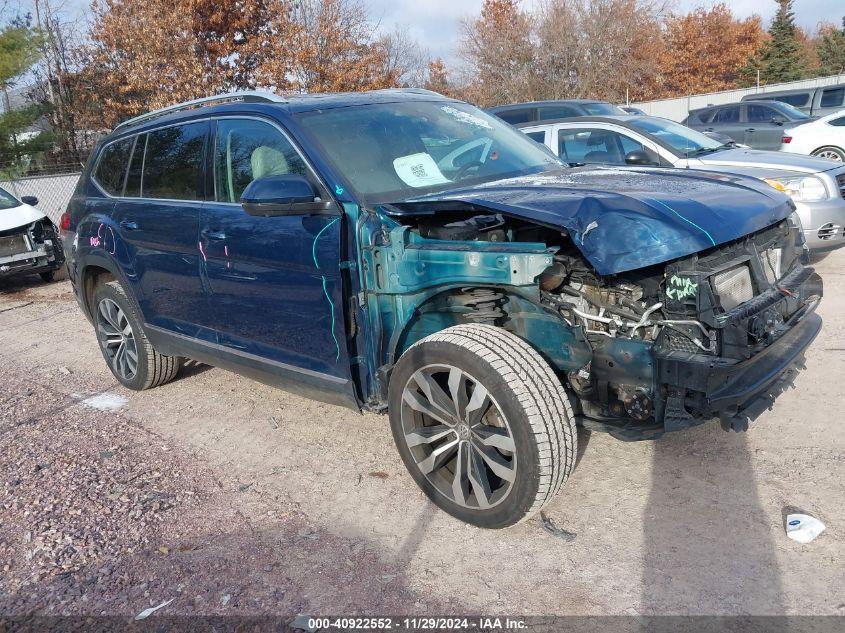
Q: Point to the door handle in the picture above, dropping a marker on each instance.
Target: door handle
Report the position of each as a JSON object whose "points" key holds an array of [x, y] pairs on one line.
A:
{"points": [[709, 129], [210, 234], [129, 225], [750, 129]]}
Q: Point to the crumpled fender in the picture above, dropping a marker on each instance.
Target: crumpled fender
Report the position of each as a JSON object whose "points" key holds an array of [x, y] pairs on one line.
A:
{"points": [[627, 218]]}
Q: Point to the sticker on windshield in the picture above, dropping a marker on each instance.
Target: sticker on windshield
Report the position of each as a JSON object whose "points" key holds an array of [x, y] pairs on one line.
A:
{"points": [[419, 170], [466, 117]]}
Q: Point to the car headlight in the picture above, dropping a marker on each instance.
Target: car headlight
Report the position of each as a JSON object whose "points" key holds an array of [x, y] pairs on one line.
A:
{"points": [[802, 189]]}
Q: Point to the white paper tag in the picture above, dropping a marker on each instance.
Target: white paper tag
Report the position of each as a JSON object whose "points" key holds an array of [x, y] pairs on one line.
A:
{"points": [[419, 170]]}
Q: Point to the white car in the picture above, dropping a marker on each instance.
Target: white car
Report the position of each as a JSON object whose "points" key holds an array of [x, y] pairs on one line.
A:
{"points": [[816, 186], [29, 241], [824, 137]]}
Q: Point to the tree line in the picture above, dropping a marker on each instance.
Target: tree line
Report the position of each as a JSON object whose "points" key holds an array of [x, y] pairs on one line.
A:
{"points": [[79, 76]]}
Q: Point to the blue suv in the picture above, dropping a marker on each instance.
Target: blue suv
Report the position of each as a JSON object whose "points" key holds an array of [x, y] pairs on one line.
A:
{"points": [[401, 252]]}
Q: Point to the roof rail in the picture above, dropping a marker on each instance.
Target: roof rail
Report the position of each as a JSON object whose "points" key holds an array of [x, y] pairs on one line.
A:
{"points": [[244, 95]]}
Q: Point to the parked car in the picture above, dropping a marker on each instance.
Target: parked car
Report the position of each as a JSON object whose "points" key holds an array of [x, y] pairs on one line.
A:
{"points": [[756, 124], [29, 241], [401, 252], [817, 186], [631, 110], [814, 101], [516, 113], [823, 137]]}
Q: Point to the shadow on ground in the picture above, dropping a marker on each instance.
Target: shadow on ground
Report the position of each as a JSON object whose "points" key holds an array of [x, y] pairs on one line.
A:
{"points": [[706, 534]]}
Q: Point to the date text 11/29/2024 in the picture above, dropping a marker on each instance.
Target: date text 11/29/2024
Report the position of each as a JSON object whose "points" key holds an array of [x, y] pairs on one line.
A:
{"points": [[427, 623]]}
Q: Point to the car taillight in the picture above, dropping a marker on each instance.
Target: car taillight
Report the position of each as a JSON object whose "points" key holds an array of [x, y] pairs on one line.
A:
{"points": [[64, 221], [786, 139]]}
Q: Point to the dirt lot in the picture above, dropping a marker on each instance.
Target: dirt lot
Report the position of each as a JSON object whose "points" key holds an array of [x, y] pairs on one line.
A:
{"points": [[230, 497]]}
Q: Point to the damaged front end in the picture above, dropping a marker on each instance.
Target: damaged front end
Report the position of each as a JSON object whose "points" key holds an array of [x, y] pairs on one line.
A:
{"points": [[715, 334], [31, 248]]}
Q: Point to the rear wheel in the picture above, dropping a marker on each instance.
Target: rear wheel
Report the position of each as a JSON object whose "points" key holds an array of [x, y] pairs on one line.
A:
{"points": [[125, 347], [830, 152], [482, 423]]}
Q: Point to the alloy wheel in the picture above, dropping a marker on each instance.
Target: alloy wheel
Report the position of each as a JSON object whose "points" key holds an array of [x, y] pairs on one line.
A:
{"points": [[458, 436], [830, 155], [117, 339]]}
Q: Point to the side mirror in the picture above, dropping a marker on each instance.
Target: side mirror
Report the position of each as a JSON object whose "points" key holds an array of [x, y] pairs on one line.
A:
{"points": [[640, 157], [778, 120], [30, 200], [288, 194]]}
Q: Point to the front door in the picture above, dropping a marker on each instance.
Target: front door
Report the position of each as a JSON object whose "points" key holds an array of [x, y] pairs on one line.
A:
{"points": [[273, 283], [764, 127]]}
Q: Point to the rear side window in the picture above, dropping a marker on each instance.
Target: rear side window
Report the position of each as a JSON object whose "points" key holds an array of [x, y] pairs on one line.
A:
{"points": [[727, 115], [111, 169], [832, 97], [840, 122], [247, 150], [556, 112], [798, 100], [515, 117], [173, 162]]}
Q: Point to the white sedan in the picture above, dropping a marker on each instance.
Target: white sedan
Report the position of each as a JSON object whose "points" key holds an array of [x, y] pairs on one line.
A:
{"points": [[824, 137]]}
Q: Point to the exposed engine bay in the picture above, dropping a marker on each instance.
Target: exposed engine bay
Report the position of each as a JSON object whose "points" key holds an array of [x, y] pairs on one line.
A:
{"points": [[665, 339]]}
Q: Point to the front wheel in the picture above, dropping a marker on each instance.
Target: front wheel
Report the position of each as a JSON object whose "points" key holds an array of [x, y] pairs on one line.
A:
{"points": [[482, 423], [831, 153]]}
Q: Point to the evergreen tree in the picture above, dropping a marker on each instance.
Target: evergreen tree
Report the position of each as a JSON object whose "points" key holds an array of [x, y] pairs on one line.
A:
{"points": [[831, 50], [19, 51], [781, 57]]}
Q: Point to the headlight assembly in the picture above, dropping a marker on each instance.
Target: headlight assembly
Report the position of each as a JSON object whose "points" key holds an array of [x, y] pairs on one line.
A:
{"points": [[801, 189]]}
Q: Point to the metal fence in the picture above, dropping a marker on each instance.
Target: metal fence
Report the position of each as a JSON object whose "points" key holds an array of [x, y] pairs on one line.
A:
{"points": [[677, 109], [53, 192]]}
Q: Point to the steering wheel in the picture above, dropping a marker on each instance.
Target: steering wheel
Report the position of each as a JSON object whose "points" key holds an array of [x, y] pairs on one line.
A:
{"points": [[463, 169]]}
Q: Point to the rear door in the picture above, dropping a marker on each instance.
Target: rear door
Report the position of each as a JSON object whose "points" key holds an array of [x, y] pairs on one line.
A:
{"points": [[158, 218], [274, 284], [762, 131], [727, 120]]}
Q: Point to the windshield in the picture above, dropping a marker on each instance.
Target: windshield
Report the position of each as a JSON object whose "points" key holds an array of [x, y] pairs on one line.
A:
{"points": [[7, 200], [599, 109], [791, 111], [394, 151], [682, 140]]}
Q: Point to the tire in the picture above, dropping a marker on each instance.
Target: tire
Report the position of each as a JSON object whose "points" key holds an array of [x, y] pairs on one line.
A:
{"points": [[522, 438], [830, 152], [118, 327], [48, 276]]}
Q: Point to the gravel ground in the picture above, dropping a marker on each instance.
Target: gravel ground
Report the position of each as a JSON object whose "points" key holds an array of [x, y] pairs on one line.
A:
{"points": [[230, 497]]}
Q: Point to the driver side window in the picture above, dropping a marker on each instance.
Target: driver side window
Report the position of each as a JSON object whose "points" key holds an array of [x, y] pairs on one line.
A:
{"points": [[246, 150], [590, 146]]}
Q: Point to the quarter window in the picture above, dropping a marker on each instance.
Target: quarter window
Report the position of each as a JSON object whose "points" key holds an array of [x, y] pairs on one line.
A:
{"points": [[540, 136], [173, 162], [840, 122], [247, 150], [111, 170]]}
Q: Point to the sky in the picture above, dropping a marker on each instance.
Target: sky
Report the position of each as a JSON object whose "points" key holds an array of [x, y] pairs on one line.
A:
{"points": [[435, 23]]}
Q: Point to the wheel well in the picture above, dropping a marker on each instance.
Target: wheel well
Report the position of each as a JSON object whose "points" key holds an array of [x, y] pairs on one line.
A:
{"points": [[821, 147], [92, 277]]}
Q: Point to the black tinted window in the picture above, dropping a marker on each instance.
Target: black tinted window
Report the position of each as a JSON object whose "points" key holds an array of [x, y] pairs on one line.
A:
{"points": [[515, 117], [762, 114], [248, 150], [556, 112], [173, 162], [797, 100], [727, 115], [111, 169], [833, 97]]}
